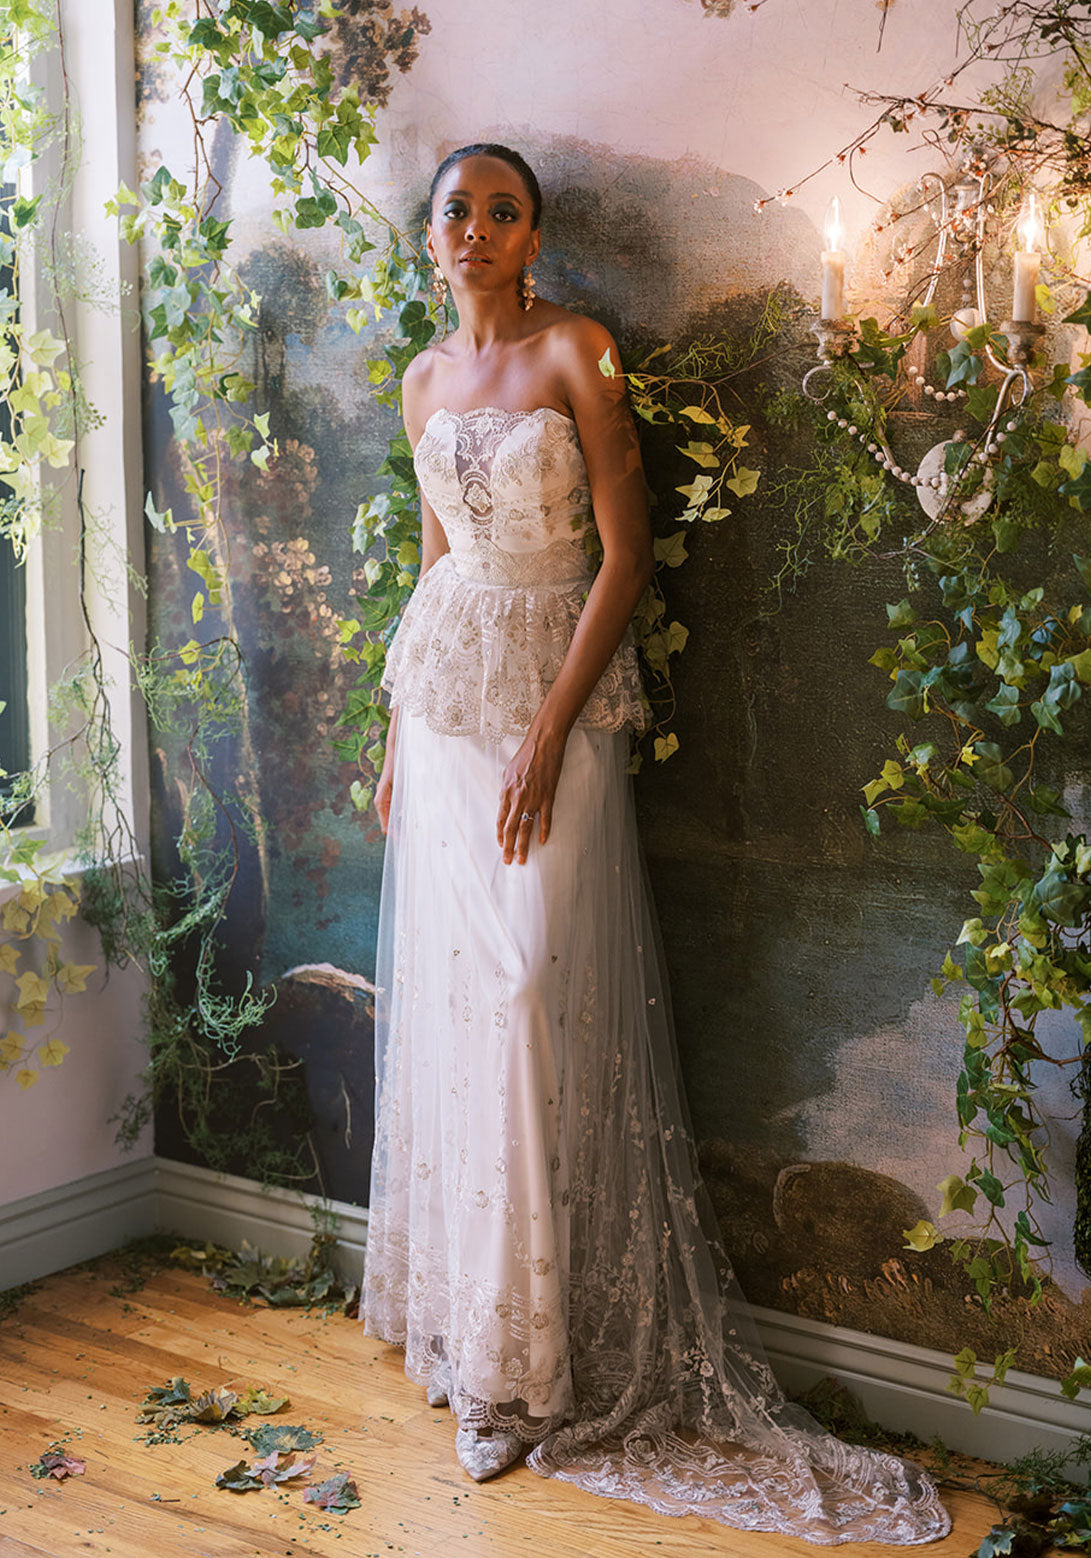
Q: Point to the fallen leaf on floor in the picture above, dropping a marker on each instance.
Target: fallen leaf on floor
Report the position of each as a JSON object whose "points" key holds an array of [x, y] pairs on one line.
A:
{"points": [[238, 1479], [277, 1280], [55, 1463], [215, 1406], [282, 1436], [270, 1470], [264, 1473], [166, 1405], [338, 1494], [255, 1399]]}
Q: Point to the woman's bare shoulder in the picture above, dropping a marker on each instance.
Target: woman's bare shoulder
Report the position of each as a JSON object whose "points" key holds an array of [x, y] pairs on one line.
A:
{"points": [[582, 354], [569, 332]]}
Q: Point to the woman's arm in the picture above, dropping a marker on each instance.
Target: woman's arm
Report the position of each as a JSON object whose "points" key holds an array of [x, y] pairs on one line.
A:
{"points": [[433, 545], [619, 498]]}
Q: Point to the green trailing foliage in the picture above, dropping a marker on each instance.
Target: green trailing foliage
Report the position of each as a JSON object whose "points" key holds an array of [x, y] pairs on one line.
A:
{"points": [[986, 674]]}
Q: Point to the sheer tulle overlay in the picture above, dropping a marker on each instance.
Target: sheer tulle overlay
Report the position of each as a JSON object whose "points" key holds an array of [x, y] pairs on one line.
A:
{"points": [[539, 1240]]}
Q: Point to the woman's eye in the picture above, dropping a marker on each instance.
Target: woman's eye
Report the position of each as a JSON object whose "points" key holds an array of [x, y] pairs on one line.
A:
{"points": [[454, 211], [504, 214]]}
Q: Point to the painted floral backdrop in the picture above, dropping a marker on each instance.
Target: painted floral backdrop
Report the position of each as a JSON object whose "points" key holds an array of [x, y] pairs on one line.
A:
{"points": [[799, 950]]}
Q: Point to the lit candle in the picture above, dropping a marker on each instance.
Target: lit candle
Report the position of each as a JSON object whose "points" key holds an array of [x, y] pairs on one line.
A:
{"points": [[1027, 260], [833, 264]]}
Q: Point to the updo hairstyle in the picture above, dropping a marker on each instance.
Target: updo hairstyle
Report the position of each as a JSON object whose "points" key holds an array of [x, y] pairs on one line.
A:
{"points": [[502, 154]]}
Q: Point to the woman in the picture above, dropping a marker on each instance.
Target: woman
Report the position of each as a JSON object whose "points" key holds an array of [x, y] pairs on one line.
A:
{"points": [[538, 1237]]}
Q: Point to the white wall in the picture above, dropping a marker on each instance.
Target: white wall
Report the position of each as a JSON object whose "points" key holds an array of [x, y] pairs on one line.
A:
{"points": [[59, 1129]]}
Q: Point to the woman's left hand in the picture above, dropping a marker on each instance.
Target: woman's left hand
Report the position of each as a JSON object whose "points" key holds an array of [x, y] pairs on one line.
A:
{"points": [[527, 789]]}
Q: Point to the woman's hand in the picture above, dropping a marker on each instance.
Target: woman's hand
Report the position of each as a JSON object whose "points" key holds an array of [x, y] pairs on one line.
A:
{"points": [[526, 792], [384, 791]]}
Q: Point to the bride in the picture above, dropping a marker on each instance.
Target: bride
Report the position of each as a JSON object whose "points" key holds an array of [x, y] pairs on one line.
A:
{"points": [[539, 1239]]}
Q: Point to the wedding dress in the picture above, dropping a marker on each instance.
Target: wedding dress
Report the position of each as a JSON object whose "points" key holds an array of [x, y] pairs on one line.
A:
{"points": [[538, 1236]]}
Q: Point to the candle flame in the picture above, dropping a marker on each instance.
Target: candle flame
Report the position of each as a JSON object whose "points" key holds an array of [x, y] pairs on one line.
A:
{"points": [[834, 232], [1030, 227]]}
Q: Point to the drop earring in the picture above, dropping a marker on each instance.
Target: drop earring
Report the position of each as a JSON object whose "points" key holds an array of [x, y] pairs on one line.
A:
{"points": [[526, 288], [439, 287]]}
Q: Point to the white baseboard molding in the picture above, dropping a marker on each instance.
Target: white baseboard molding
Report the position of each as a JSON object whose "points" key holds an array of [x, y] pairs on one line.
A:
{"points": [[905, 1388], [900, 1386], [228, 1209], [58, 1228]]}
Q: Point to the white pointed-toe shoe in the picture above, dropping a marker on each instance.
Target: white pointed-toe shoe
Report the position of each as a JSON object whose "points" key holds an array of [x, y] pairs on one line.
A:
{"points": [[483, 1455], [436, 1394]]}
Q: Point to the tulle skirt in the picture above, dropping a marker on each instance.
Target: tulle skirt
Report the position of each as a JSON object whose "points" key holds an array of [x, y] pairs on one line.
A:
{"points": [[538, 1237]]}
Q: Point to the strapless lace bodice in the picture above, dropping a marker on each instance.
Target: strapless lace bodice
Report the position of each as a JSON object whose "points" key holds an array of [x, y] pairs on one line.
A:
{"points": [[489, 624]]}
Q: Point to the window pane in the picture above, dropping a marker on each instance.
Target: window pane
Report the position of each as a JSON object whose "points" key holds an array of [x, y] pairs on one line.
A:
{"points": [[14, 723]]}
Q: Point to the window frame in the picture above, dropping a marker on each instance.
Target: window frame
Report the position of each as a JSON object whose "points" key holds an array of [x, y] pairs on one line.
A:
{"points": [[106, 542]]}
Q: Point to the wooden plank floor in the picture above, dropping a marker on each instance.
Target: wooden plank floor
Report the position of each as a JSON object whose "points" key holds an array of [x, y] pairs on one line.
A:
{"points": [[76, 1359]]}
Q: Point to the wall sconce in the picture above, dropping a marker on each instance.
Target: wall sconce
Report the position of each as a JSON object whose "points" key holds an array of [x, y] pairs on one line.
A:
{"points": [[960, 212]]}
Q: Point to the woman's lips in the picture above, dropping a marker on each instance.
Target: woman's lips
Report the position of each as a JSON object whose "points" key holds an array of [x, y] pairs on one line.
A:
{"points": [[474, 259]]}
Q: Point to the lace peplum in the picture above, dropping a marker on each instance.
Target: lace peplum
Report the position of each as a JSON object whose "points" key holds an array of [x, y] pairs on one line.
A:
{"points": [[488, 626]]}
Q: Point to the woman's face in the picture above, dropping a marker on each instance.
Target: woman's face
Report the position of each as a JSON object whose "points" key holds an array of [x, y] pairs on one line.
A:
{"points": [[480, 234]]}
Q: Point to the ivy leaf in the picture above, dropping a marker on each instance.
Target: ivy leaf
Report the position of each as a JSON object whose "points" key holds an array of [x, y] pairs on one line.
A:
{"points": [[1081, 383], [698, 414], [53, 1053], [958, 1196], [1005, 704], [1078, 489], [981, 401], [973, 933], [697, 491], [922, 1236], [606, 365], [676, 636], [900, 616], [1046, 716], [671, 549], [1079, 1379], [907, 694], [701, 454], [361, 795], [72, 977], [990, 1186], [1060, 900], [22, 211], [999, 1543], [990, 767], [665, 746], [744, 481], [1046, 801], [1071, 460], [162, 522]]}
